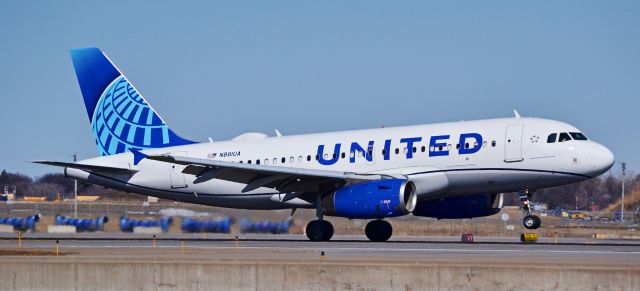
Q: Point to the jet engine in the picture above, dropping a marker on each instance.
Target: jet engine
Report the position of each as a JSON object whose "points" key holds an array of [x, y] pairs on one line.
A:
{"points": [[460, 206], [377, 199]]}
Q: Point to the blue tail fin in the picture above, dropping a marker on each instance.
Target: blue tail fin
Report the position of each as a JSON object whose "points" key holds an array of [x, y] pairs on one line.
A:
{"points": [[121, 118]]}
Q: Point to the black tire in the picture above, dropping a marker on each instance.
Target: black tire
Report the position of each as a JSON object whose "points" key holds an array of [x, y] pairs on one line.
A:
{"points": [[531, 222], [378, 230], [327, 230], [319, 230]]}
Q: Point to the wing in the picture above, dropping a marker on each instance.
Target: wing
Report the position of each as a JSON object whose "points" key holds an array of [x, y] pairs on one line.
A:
{"points": [[94, 168], [283, 179]]}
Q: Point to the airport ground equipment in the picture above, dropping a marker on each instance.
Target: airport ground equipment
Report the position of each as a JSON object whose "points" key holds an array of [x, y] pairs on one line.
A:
{"points": [[274, 227], [222, 225], [467, 237], [22, 223], [127, 224], [528, 237], [82, 225]]}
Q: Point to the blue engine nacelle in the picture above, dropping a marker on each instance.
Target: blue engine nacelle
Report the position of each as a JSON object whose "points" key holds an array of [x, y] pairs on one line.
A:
{"points": [[377, 199], [460, 206]]}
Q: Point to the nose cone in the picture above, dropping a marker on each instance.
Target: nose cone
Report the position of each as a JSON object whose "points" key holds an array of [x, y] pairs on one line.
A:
{"points": [[602, 159]]}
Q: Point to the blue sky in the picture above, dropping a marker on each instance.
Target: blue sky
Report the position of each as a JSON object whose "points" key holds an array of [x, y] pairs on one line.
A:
{"points": [[219, 69]]}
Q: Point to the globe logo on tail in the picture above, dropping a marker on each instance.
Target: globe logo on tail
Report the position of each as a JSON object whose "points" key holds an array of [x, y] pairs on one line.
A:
{"points": [[123, 120]]}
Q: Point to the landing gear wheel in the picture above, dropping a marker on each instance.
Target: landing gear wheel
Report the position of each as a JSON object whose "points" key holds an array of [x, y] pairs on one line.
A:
{"points": [[531, 222], [319, 230], [378, 230]]}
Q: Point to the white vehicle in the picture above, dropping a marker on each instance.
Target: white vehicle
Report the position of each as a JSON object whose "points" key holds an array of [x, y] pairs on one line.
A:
{"points": [[445, 170]]}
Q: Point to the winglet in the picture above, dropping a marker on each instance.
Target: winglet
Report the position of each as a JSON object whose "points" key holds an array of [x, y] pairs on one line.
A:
{"points": [[515, 112], [137, 156]]}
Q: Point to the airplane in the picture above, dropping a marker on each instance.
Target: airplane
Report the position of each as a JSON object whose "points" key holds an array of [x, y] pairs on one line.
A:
{"points": [[449, 170]]}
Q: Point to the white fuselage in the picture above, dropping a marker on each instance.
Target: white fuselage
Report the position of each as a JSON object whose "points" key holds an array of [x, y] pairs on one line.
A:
{"points": [[514, 154]]}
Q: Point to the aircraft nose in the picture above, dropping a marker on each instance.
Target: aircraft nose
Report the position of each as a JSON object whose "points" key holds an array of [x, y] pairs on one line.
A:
{"points": [[602, 159]]}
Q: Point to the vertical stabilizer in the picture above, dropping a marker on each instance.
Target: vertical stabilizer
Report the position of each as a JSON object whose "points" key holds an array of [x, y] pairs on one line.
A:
{"points": [[120, 117]]}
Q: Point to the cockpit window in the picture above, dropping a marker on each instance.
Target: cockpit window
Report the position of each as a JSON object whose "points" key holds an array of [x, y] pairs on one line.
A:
{"points": [[564, 137], [552, 138], [578, 136]]}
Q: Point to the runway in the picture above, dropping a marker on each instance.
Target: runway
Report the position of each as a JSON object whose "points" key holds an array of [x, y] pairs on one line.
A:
{"points": [[117, 261], [345, 249]]}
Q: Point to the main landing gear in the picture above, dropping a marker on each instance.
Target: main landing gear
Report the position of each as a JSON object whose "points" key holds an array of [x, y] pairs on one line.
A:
{"points": [[378, 230], [530, 221], [319, 230]]}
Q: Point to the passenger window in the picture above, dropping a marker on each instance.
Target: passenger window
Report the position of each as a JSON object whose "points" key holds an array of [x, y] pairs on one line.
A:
{"points": [[343, 155], [578, 136], [241, 162], [326, 157], [266, 161], [292, 159], [466, 145], [275, 161], [397, 151], [440, 148], [257, 162], [458, 146], [423, 148], [317, 157], [383, 152], [552, 138], [564, 137], [249, 162], [283, 160], [415, 149], [493, 143], [299, 159], [308, 158]]}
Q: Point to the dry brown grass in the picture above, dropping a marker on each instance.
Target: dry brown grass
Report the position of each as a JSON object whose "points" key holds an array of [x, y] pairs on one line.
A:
{"points": [[631, 202]]}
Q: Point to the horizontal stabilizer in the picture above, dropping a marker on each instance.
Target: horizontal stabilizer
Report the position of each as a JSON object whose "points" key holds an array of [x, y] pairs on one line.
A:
{"points": [[93, 168]]}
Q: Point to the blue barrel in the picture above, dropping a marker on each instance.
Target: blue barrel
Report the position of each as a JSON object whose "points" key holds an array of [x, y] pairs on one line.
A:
{"points": [[127, 225], [213, 226], [22, 223], [273, 227], [91, 224]]}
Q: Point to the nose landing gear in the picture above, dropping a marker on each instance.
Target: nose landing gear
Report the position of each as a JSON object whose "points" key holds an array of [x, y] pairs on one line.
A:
{"points": [[530, 221]]}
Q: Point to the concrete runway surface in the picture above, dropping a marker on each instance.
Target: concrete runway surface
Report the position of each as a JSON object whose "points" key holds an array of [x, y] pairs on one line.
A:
{"points": [[116, 261], [341, 248]]}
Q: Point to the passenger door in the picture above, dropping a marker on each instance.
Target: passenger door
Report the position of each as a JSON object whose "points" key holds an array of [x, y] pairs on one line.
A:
{"points": [[513, 143]]}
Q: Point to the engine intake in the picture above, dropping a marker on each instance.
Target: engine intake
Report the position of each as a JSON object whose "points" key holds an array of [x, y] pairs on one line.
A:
{"points": [[377, 199]]}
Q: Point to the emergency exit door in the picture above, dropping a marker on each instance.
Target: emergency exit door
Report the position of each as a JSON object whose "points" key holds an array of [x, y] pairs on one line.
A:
{"points": [[513, 143]]}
